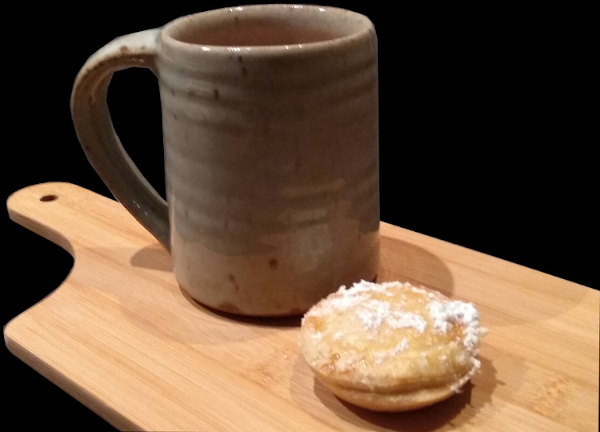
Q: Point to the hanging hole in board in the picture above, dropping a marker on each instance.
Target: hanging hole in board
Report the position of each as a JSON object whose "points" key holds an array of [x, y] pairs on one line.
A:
{"points": [[47, 198]]}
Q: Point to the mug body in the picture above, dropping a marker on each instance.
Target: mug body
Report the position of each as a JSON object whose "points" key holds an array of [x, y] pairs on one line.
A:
{"points": [[270, 127]]}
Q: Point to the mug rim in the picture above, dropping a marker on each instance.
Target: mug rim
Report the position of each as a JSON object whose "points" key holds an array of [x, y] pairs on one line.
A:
{"points": [[358, 25]]}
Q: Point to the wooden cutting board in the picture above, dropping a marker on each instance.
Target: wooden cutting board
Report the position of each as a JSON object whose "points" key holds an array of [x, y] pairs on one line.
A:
{"points": [[121, 337]]}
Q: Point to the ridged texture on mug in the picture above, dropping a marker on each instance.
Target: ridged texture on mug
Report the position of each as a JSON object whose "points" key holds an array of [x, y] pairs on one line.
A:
{"points": [[272, 173]]}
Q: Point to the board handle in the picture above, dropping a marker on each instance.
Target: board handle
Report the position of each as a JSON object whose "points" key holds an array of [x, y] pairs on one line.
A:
{"points": [[95, 131]]}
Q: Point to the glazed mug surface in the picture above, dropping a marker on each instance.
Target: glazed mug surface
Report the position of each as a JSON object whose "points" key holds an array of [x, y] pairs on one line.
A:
{"points": [[270, 133]]}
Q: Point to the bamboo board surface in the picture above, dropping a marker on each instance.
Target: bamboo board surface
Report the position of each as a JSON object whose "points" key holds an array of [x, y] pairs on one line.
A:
{"points": [[121, 337]]}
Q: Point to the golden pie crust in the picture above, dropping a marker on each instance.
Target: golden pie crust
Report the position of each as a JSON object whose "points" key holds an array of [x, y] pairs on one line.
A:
{"points": [[391, 346]]}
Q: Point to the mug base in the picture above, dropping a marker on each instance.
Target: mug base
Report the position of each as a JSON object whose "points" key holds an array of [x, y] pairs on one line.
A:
{"points": [[229, 308], [234, 310]]}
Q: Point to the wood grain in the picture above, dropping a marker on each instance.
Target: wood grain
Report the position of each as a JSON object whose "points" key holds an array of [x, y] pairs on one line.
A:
{"points": [[121, 337]]}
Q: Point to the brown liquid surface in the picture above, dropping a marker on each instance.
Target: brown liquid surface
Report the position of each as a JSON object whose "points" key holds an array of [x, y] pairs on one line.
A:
{"points": [[257, 34]]}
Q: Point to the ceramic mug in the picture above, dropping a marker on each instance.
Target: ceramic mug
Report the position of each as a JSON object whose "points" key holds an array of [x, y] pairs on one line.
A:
{"points": [[270, 133]]}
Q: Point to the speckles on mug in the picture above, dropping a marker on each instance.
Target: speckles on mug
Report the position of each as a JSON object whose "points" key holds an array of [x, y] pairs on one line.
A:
{"points": [[231, 278], [230, 307], [240, 60]]}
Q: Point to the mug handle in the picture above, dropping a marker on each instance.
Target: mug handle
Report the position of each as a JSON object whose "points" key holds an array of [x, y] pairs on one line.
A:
{"points": [[94, 129]]}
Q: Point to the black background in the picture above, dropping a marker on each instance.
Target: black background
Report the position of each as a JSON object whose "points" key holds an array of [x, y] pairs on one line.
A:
{"points": [[483, 142]]}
